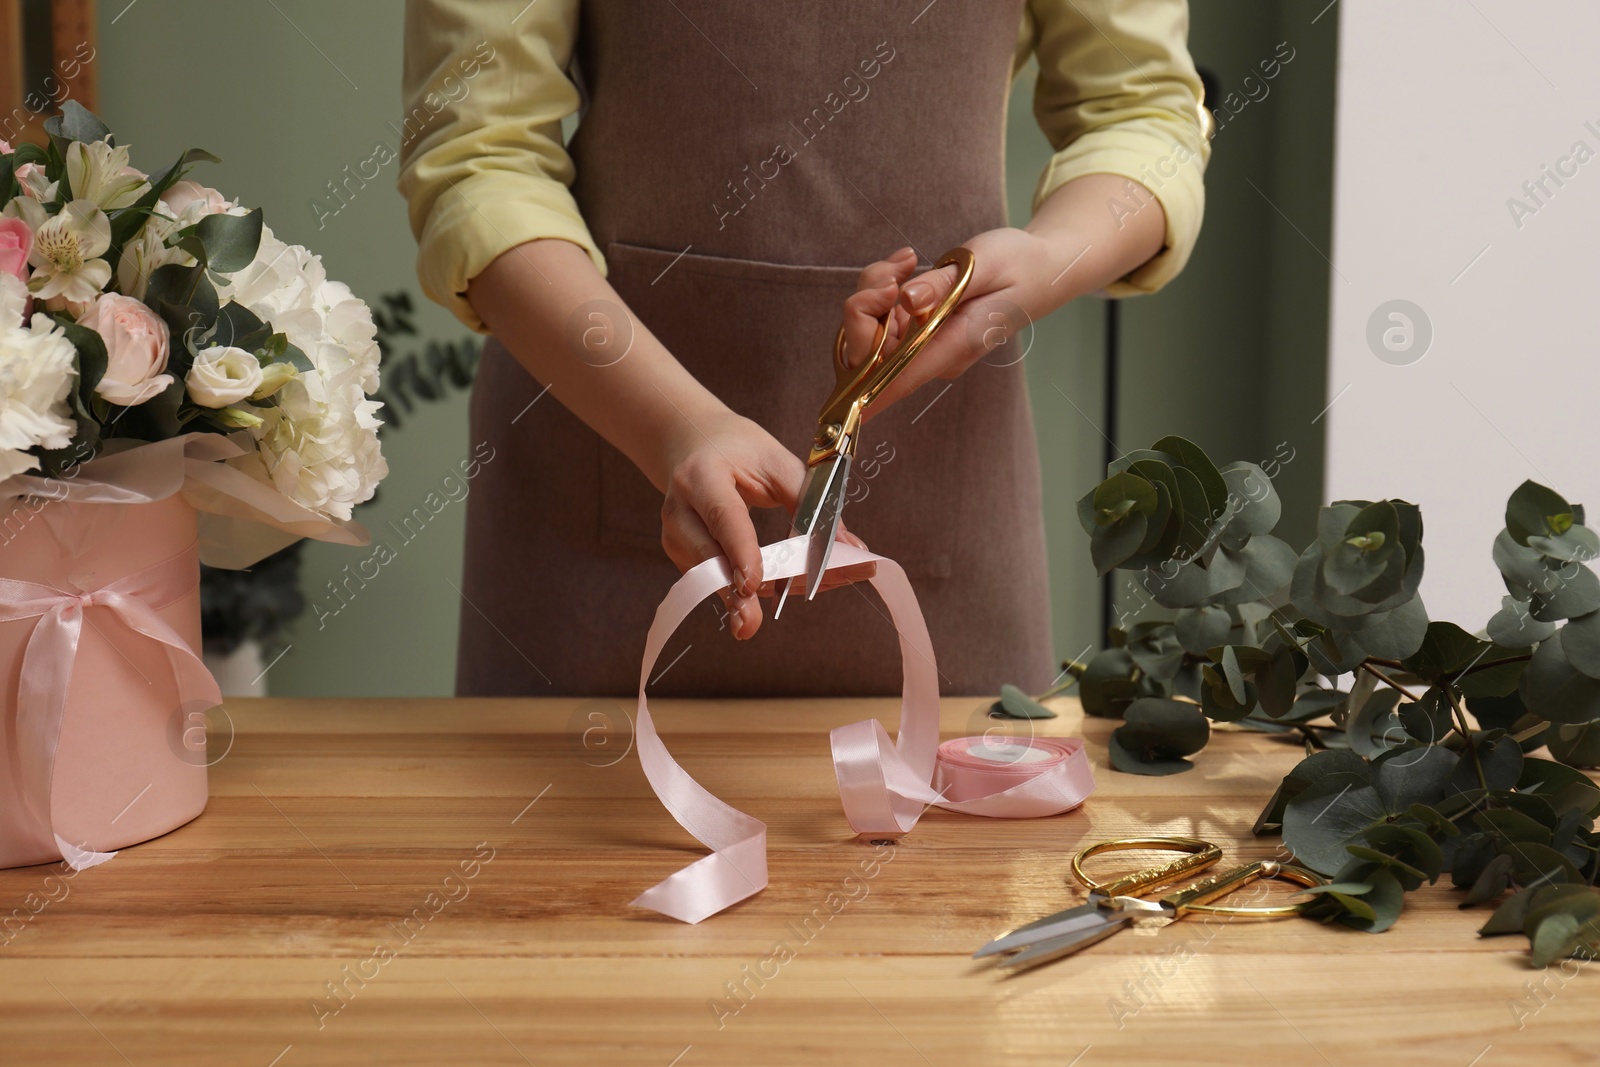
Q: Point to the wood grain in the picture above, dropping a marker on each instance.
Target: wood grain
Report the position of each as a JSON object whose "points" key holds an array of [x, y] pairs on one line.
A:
{"points": [[461, 869]]}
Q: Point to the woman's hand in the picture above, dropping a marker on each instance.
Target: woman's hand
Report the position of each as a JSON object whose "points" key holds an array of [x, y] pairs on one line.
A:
{"points": [[719, 468], [1003, 298], [1088, 233]]}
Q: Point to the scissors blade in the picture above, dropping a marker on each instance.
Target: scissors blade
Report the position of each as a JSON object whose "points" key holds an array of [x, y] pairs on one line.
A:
{"points": [[1104, 925], [824, 483], [1062, 922]]}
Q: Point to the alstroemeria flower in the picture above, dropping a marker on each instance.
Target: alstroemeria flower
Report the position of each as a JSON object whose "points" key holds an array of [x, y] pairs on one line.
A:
{"points": [[66, 250], [100, 173]]}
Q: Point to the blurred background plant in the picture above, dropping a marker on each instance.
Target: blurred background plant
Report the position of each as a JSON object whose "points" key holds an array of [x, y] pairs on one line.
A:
{"points": [[245, 615]]}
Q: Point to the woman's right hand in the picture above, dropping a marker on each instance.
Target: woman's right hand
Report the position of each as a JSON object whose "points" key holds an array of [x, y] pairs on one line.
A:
{"points": [[719, 467]]}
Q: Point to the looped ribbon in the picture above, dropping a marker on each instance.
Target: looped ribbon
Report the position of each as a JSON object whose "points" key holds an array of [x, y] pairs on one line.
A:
{"points": [[883, 787], [52, 650]]}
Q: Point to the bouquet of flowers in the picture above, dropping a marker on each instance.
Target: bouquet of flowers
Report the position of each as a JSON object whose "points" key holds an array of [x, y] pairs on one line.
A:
{"points": [[136, 308]]}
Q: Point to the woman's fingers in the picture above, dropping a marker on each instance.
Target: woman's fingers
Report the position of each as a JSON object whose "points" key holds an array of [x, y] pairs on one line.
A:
{"points": [[877, 292], [922, 294], [705, 516]]}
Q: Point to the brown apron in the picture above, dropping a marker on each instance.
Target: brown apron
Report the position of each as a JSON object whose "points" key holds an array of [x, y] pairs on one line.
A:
{"points": [[737, 254]]}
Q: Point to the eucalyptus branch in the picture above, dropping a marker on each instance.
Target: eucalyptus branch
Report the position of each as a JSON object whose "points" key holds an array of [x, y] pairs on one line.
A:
{"points": [[1466, 733]]}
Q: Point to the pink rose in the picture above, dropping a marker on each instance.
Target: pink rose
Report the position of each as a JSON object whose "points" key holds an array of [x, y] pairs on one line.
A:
{"points": [[5, 147], [184, 194], [136, 348], [16, 241]]}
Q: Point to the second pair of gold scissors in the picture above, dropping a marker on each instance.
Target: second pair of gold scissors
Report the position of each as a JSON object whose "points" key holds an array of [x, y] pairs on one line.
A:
{"points": [[1112, 906], [839, 425]]}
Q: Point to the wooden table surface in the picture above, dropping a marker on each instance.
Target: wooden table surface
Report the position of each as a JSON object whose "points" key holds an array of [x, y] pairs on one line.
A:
{"points": [[460, 870]]}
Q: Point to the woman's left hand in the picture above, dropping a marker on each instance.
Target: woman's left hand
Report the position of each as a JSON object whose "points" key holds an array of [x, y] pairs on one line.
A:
{"points": [[1089, 232], [1001, 301]]}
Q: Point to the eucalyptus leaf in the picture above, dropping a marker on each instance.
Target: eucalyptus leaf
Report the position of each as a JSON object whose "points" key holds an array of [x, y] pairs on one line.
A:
{"points": [[1554, 689], [1018, 705], [1387, 899], [1576, 746], [1413, 776], [1200, 628], [1534, 510], [1323, 818], [1513, 627]]}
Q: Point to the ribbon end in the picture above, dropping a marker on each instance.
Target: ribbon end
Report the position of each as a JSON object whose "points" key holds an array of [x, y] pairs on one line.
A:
{"points": [[80, 859]]}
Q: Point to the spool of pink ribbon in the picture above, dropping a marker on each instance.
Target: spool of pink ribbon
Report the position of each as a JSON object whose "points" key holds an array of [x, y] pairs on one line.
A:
{"points": [[885, 787]]}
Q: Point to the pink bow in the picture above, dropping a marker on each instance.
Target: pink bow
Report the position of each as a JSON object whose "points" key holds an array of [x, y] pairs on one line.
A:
{"points": [[884, 789], [52, 650]]}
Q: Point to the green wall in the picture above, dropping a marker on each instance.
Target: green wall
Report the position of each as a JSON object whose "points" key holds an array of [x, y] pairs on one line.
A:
{"points": [[1231, 354]]}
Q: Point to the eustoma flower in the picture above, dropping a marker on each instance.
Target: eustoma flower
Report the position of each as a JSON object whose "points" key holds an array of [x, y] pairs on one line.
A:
{"points": [[223, 375]]}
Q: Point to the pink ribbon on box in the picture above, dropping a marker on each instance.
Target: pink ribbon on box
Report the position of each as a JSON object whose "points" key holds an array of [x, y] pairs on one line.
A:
{"points": [[884, 787], [52, 650]]}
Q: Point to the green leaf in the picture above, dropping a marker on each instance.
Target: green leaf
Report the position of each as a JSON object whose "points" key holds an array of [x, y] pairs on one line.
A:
{"points": [[1370, 542], [1562, 785], [1129, 762], [1162, 727], [1569, 592], [1580, 643], [1579, 544], [1555, 939], [1386, 900], [75, 123], [1536, 864], [1019, 705], [1199, 629], [1513, 627], [1534, 510], [1107, 685], [1323, 818], [1374, 727], [231, 241], [1554, 689], [1413, 776], [1576, 746], [1513, 826], [1494, 879], [1194, 459], [1446, 649], [1309, 770]]}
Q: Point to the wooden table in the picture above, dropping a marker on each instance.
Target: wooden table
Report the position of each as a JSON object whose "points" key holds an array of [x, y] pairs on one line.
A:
{"points": [[461, 869]]}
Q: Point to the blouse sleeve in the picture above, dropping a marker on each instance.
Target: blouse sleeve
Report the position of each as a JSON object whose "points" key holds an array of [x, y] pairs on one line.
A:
{"points": [[482, 164], [1118, 94]]}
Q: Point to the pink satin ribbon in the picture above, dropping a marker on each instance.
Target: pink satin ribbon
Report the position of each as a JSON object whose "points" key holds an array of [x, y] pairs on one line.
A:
{"points": [[52, 651], [884, 787]]}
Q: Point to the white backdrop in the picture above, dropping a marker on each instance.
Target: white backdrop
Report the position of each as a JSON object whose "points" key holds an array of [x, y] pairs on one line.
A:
{"points": [[1446, 108]]}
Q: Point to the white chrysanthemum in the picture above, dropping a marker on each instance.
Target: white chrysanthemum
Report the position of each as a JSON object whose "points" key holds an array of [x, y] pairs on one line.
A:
{"points": [[36, 374], [318, 444]]}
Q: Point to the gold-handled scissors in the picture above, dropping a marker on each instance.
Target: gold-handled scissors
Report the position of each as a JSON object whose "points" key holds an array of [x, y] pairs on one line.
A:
{"points": [[839, 425], [1113, 905]]}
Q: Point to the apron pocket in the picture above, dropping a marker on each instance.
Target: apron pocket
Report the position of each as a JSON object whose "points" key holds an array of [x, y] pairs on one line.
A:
{"points": [[760, 336]]}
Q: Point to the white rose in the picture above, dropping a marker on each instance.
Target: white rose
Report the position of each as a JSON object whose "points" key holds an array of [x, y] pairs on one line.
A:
{"points": [[223, 375]]}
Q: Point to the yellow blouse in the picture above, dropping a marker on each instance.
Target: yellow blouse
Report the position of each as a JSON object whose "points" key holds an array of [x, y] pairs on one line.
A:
{"points": [[484, 168]]}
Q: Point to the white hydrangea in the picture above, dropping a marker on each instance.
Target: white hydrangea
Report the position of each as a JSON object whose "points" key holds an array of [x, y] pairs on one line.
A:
{"points": [[319, 444], [36, 374]]}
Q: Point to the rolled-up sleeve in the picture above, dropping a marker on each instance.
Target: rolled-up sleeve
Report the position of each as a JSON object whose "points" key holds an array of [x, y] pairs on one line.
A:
{"points": [[482, 164], [1118, 94]]}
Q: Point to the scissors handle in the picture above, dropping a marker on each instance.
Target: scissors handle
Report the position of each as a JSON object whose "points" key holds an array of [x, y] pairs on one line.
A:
{"points": [[856, 389], [1200, 855], [1218, 885]]}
